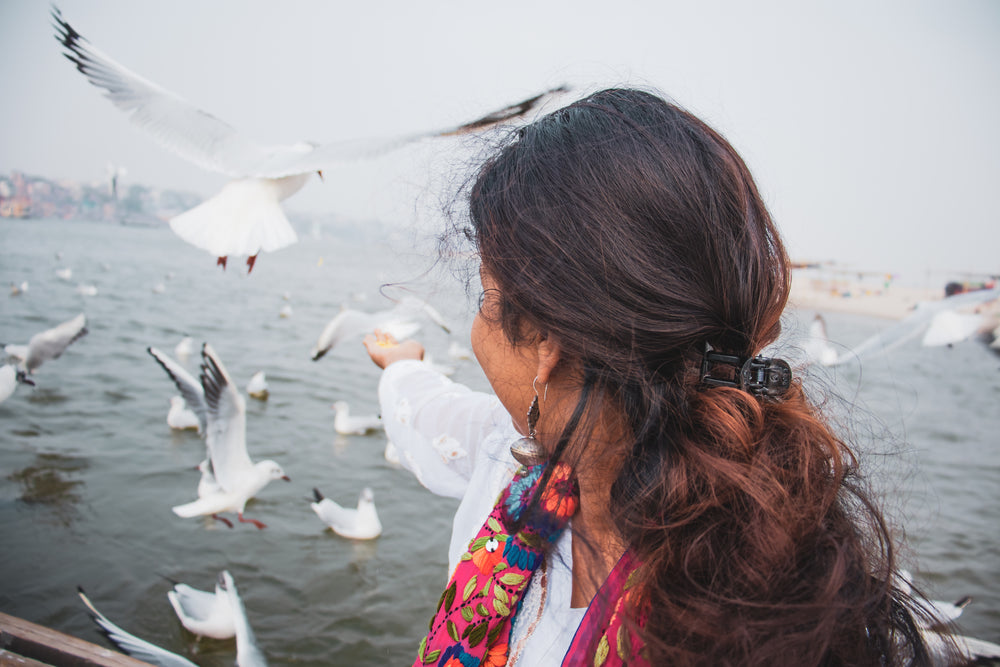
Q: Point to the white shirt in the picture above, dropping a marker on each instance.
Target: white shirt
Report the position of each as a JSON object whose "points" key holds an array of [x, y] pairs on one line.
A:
{"points": [[457, 443]]}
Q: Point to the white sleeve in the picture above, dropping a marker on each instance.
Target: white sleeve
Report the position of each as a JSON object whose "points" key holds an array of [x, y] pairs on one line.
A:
{"points": [[437, 426]]}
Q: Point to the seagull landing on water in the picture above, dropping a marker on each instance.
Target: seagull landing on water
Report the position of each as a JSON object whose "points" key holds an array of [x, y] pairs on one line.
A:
{"points": [[245, 217], [239, 478], [358, 524]]}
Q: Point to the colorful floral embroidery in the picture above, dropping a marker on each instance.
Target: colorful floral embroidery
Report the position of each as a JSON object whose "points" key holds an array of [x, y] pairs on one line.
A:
{"points": [[488, 556], [471, 626], [472, 623], [521, 490]]}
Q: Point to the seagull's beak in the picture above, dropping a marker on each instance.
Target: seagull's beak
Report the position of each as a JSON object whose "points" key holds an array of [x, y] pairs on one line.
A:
{"points": [[319, 172], [286, 478]]}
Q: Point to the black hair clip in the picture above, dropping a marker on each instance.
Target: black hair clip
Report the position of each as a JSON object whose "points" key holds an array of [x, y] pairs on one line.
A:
{"points": [[760, 376]]}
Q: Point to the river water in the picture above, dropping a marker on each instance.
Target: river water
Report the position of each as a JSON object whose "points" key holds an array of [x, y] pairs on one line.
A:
{"points": [[89, 468]]}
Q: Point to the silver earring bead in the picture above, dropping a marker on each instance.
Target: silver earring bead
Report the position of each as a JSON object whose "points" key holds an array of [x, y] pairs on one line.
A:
{"points": [[527, 450]]}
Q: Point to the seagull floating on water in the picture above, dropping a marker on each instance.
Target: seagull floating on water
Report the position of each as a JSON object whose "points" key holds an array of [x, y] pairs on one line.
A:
{"points": [[191, 390], [345, 424], [202, 613], [245, 217], [239, 478], [184, 349], [49, 344], [357, 524], [257, 386], [248, 651], [180, 417]]}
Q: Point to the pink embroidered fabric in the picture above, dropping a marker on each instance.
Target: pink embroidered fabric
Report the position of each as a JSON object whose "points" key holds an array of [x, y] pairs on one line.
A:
{"points": [[472, 623]]}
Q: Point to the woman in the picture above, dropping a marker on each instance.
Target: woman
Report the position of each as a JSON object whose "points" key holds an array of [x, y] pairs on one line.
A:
{"points": [[631, 277]]}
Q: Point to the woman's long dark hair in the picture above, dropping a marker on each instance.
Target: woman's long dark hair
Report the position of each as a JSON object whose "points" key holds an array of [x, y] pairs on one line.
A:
{"points": [[634, 234]]}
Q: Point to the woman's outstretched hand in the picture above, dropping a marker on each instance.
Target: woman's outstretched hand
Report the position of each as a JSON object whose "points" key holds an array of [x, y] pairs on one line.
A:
{"points": [[385, 350]]}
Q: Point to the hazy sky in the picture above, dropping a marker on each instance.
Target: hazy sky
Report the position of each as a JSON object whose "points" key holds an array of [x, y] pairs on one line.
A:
{"points": [[872, 127]]}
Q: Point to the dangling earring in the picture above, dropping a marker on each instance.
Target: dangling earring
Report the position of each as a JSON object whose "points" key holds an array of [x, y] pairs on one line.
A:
{"points": [[527, 450]]}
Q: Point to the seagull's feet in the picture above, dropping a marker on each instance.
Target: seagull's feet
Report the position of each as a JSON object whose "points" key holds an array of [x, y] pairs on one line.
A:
{"points": [[222, 262], [250, 262], [260, 526], [223, 520]]}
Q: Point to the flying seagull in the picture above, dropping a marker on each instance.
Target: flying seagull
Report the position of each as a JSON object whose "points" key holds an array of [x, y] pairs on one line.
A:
{"points": [[238, 478], [48, 344], [917, 322], [245, 217]]}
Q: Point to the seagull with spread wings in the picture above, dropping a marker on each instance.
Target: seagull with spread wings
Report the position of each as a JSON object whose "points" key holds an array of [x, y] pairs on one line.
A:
{"points": [[245, 217], [46, 345], [237, 477]]}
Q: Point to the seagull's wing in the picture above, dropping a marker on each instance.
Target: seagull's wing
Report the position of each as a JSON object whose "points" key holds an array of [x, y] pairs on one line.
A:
{"points": [[50, 344], [191, 603], [915, 323], [332, 513], [16, 353], [132, 645], [189, 387], [348, 322], [248, 653], [975, 651], [413, 306], [174, 123], [323, 156], [227, 422]]}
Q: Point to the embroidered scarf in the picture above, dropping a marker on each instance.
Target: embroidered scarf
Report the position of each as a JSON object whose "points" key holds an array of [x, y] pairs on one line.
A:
{"points": [[472, 623]]}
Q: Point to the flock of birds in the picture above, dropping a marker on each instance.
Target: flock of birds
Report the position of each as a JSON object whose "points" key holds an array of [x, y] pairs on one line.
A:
{"points": [[213, 405]]}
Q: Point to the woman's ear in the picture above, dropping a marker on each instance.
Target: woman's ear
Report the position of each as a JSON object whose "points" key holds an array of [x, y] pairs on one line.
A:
{"points": [[549, 354]]}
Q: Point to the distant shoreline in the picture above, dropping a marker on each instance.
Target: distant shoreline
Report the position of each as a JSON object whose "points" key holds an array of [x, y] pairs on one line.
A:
{"points": [[887, 301]]}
